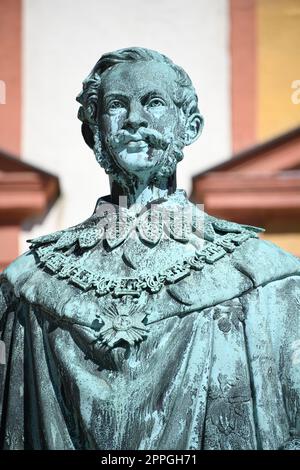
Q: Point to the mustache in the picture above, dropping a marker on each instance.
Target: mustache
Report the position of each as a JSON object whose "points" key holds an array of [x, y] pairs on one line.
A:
{"points": [[152, 137]]}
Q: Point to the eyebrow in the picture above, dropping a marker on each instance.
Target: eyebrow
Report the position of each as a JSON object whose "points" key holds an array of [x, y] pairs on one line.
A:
{"points": [[146, 95], [154, 93], [114, 93]]}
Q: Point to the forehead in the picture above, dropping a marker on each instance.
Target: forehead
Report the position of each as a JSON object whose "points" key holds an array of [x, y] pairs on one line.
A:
{"points": [[138, 78]]}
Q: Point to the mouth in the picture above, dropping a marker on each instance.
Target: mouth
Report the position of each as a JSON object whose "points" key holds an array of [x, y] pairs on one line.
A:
{"points": [[142, 139], [134, 139], [134, 145]]}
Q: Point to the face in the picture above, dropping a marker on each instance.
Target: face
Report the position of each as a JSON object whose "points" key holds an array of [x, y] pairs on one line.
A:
{"points": [[138, 118]]}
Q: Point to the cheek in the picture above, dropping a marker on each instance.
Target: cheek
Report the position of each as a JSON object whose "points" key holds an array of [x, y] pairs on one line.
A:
{"points": [[111, 123], [168, 122]]}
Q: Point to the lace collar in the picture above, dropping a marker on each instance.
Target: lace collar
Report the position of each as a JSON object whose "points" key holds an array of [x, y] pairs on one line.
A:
{"points": [[171, 217], [60, 253]]}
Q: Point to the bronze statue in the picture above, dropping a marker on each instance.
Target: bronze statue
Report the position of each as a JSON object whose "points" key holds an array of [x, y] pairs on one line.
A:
{"points": [[151, 325]]}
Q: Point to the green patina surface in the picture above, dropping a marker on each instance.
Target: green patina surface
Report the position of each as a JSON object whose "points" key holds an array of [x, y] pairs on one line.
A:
{"points": [[150, 325]]}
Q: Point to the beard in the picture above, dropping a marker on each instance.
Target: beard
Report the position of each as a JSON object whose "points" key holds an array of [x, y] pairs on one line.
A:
{"points": [[105, 148]]}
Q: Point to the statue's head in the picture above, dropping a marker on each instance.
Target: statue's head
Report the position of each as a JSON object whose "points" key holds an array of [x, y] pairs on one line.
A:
{"points": [[138, 111]]}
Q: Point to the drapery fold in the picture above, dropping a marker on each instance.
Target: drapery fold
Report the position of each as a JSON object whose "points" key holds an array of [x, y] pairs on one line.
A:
{"points": [[226, 380]]}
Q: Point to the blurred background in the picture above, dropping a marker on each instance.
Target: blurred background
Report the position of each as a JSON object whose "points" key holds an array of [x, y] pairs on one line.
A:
{"points": [[243, 57]]}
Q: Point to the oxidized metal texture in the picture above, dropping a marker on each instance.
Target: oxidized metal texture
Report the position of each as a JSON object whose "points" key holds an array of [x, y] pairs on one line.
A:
{"points": [[151, 325]]}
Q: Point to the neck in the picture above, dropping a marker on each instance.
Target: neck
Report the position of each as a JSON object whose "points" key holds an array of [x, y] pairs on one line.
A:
{"points": [[142, 193]]}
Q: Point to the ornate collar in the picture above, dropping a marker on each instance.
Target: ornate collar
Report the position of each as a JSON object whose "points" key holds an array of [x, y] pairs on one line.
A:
{"points": [[174, 217], [60, 253]]}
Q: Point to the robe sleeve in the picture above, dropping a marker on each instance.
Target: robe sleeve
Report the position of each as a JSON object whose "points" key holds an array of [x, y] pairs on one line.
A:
{"points": [[273, 336], [287, 302], [11, 370]]}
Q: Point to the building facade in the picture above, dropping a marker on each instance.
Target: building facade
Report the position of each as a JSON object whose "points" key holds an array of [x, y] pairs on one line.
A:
{"points": [[240, 54]]}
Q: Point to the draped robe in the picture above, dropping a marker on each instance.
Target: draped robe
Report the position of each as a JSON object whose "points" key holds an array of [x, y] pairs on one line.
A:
{"points": [[217, 367]]}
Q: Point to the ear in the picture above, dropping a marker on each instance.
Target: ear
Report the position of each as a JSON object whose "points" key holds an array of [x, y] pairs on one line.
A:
{"points": [[193, 128]]}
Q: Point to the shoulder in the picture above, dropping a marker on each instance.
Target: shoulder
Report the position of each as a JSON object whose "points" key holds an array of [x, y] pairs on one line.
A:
{"points": [[261, 260], [12, 279], [264, 262], [27, 264], [240, 261], [20, 269]]}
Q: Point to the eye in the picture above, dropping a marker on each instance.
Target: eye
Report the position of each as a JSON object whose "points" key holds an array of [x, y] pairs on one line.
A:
{"points": [[116, 104], [155, 103]]}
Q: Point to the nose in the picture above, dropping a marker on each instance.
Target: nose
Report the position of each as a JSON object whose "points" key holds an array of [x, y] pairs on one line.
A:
{"points": [[135, 118]]}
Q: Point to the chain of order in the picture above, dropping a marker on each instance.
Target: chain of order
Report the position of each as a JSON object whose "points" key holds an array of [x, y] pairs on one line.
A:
{"points": [[66, 266]]}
